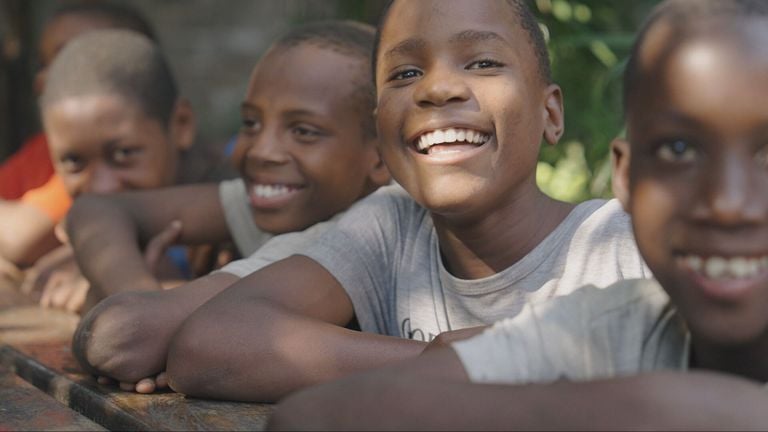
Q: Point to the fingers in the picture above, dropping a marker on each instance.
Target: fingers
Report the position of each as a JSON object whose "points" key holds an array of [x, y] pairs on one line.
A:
{"points": [[146, 385], [159, 243], [77, 297], [61, 233], [161, 380]]}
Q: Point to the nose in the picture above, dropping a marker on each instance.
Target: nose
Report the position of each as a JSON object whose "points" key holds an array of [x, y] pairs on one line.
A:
{"points": [[441, 85], [263, 148], [732, 194], [102, 179]]}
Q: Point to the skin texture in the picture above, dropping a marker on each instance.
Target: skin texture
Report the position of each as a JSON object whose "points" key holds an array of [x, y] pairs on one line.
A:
{"points": [[487, 213], [293, 132], [694, 181]]}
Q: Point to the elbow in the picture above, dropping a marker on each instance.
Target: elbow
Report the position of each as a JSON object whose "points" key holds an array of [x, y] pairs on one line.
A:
{"points": [[111, 339]]}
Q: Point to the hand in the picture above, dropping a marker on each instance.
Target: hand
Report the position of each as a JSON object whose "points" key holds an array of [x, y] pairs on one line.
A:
{"points": [[143, 386], [65, 289], [446, 338], [9, 271], [155, 250]]}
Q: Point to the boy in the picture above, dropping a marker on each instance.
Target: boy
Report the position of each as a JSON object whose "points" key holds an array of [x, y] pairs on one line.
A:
{"points": [[464, 99], [306, 151], [694, 183], [32, 198], [114, 122]]}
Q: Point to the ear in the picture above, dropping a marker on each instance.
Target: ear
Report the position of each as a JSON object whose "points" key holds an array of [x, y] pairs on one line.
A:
{"points": [[620, 164], [554, 116], [378, 173], [183, 125]]}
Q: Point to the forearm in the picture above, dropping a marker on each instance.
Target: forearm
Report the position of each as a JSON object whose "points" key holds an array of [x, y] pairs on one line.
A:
{"points": [[126, 337], [402, 399], [26, 233], [275, 353], [105, 239]]}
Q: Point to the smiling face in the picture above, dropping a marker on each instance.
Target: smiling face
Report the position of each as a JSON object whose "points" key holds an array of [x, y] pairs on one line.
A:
{"points": [[104, 144], [302, 149], [699, 175], [462, 107]]}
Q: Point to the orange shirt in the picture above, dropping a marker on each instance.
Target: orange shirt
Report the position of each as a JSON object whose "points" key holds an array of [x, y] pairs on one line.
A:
{"points": [[52, 198], [30, 167]]}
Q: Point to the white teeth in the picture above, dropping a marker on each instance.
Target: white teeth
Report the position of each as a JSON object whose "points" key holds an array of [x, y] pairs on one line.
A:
{"points": [[716, 267], [450, 135], [270, 191]]}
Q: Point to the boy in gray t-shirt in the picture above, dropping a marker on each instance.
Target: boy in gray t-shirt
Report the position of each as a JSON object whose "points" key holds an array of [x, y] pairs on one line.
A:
{"points": [[464, 100], [695, 184]]}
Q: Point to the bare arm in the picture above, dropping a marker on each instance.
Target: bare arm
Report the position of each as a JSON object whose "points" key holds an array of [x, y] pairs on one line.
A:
{"points": [[278, 330], [26, 233], [126, 336], [108, 232], [433, 392]]}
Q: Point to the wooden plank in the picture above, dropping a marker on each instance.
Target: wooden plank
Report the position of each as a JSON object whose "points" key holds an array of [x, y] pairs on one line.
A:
{"points": [[23, 407], [51, 368]]}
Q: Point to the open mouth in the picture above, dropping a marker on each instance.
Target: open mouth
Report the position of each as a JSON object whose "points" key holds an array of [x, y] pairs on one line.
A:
{"points": [[450, 140], [724, 268], [272, 195]]}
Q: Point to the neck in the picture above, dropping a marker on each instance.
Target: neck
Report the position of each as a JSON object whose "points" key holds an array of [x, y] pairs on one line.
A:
{"points": [[474, 248], [749, 361]]}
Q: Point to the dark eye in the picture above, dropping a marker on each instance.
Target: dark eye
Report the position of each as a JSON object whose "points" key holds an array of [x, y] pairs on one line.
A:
{"points": [[71, 163], [405, 75], [306, 133], [124, 154], [250, 124], [677, 151], [484, 64]]}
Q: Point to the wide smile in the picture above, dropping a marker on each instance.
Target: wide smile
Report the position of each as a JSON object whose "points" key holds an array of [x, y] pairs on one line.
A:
{"points": [[450, 140], [273, 195], [726, 277]]}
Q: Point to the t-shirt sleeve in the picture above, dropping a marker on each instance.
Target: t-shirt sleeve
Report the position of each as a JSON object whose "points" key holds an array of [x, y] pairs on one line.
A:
{"points": [[278, 248], [588, 334], [234, 200], [361, 252], [52, 198]]}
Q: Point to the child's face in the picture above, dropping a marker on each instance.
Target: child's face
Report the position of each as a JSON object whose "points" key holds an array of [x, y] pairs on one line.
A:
{"points": [[301, 149], [464, 74], [699, 180], [104, 144]]}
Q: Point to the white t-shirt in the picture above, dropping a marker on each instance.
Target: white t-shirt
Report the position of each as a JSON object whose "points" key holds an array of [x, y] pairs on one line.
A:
{"points": [[624, 329], [385, 254], [237, 211]]}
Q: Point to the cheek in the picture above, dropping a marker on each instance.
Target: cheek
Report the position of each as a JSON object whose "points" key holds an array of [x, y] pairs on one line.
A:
{"points": [[653, 207]]}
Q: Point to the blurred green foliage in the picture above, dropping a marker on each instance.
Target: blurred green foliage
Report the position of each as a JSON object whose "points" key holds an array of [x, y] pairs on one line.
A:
{"points": [[589, 41]]}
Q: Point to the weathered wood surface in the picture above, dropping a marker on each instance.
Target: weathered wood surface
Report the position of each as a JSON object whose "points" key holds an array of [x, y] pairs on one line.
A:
{"points": [[24, 407], [35, 346]]}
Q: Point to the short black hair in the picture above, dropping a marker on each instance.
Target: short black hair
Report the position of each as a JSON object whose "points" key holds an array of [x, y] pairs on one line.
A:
{"points": [[120, 62], [526, 19], [350, 38], [686, 17], [119, 15]]}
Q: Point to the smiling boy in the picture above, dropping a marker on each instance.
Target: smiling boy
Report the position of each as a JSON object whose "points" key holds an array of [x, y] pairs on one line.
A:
{"points": [[306, 151], [471, 241], [694, 183]]}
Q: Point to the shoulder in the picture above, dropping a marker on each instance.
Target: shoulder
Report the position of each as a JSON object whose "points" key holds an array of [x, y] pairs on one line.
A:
{"points": [[390, 205]]}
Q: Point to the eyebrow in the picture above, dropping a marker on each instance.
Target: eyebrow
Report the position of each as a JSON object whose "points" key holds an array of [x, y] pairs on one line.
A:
{"points": [[407, 46], [414, 44], [476, 36]]}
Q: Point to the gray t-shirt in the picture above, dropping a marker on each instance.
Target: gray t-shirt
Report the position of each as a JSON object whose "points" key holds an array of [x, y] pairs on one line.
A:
{"points": [[234, 200], [385, 254], [624, 329]]}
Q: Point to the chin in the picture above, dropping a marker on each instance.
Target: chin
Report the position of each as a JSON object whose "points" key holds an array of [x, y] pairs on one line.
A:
{"points": [[728, 333]]}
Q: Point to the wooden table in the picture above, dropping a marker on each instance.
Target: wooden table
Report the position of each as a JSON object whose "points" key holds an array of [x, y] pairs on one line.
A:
{"points": [[42, 387]]}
